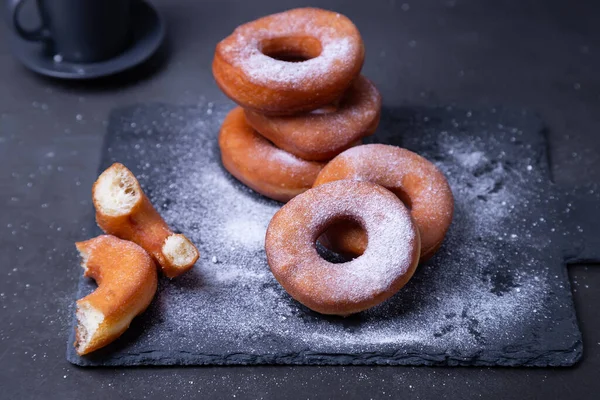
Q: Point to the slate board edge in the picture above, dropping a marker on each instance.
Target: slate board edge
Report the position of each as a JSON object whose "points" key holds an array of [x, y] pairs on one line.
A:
{"points": [[554, 359], [585, 201]]}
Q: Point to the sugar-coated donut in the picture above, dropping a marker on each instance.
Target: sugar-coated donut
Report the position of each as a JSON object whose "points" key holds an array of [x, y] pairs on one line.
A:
{"points": [[127, 281], [250, 65], [415, 180], [321, 136], [123, 210], [386, 265], [258, 164]]}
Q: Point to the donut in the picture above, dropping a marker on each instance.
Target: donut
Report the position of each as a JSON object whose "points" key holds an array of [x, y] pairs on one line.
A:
{"points": [[127, 281], [290, 62], [260, 165], [123, 210], [386, 265], [415, 180], [320, 136]]}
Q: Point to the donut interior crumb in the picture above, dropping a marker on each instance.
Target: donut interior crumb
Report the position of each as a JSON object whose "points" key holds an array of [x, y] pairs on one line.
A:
{"points": [[179, 251], [88, 321], [116, 191], [84, 258]]}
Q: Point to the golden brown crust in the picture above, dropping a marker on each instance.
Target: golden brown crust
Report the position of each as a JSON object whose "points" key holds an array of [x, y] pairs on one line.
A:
{"points": [[142, 225], [127, 281], [322, 136], [385, 267], [272, 86], [258, 164], [408, 175]]}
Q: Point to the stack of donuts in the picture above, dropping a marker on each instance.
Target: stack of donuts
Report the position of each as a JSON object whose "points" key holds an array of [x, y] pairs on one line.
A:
{"points": [[296, 77], [296, 138]]}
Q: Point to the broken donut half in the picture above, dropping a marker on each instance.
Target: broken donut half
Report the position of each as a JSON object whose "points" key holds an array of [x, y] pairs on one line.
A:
{"points": [[127, 281], [123, 210]]}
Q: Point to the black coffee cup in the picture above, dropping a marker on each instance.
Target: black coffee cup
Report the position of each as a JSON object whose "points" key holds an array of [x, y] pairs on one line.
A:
{"points": [[81, 31]]}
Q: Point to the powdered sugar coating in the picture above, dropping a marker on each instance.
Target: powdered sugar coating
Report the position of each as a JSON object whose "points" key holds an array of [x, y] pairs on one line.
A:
{"points": [[386, 265], [275, 154], [323, 135], [257, 163], [340, 43], [398, 169]]}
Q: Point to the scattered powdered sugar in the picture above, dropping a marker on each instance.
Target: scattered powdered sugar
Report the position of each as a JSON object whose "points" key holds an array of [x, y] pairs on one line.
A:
{"points": [[490, 194], [228, 274], [247, 233], [467, 159], [492, 286]]}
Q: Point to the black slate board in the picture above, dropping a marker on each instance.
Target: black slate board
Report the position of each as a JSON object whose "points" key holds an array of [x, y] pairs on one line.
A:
{"points": [[496, 294]]}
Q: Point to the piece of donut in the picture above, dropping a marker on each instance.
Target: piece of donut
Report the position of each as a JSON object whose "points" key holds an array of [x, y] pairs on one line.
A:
{"points": [[127, 281], [260, 165], [123, 210], [320, 136], [254, 65], [386, 265], [415, 180]]}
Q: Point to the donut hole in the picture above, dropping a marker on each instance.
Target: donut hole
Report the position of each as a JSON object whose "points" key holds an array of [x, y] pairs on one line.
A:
{"points": [[331, 245], [403, 196], [291, 48]]}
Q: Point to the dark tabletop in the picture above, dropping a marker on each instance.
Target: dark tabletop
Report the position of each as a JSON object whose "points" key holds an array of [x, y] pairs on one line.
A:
{"points": [[542, 55]]}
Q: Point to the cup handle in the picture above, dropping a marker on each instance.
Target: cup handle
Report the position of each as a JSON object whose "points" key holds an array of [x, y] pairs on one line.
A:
{"points": [[38, 34]]}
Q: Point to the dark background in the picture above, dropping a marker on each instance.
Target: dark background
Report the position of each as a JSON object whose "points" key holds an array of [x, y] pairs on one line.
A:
{"points": [[543, 55]]}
